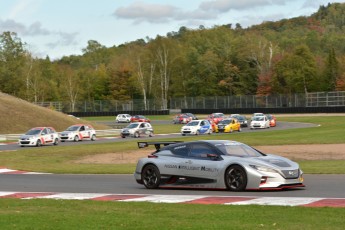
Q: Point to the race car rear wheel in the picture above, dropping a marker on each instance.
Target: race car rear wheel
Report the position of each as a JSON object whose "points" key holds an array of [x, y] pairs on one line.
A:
{"points": [[235, 178], [151, 176]]}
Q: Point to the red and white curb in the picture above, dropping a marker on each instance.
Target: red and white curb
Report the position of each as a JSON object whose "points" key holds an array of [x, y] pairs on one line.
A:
{"points": [[186, 199], [12, 171]]}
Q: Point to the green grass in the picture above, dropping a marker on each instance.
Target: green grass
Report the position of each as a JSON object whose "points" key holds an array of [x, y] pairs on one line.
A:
{"points": [[64, 214]]}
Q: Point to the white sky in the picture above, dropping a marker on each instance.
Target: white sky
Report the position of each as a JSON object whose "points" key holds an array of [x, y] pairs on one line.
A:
{"points": [[62, 27]]}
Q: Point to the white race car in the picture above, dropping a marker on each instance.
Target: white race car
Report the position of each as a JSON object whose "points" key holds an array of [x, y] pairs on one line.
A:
{"points": [[78, 132], [215, 164], [39, 136], [197, 127], [260, 122], [126, 118]]}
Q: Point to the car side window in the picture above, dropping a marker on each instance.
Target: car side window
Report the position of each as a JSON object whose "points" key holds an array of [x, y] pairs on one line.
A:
{"points": [[181, 150], [200, 151], [44, 132]]}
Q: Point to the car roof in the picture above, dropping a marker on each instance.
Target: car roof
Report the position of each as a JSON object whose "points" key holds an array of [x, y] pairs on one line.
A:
{"points": [[211, 142]]}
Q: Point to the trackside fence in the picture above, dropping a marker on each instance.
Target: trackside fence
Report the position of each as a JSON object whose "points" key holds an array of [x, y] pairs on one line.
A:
{"points": [[153, 106]]}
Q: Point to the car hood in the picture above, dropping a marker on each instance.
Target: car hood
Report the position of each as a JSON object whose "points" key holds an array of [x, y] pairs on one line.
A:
{"points": [[125, 130], [27, 136], [67, 132], [272, 161]]}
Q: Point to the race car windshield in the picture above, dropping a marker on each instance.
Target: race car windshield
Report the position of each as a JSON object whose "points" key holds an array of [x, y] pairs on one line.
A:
{"points": [[133, 125], [193, 123], [225, 122], [239, 150], [72, 128], [258, 118], [33, 132]]}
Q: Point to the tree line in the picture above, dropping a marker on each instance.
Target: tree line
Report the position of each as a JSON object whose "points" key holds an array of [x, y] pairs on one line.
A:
{"points": [[298, 55]]}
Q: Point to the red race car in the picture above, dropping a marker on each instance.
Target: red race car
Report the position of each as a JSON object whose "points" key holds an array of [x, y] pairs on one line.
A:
{"points": [[139, 118], [272, 119]]}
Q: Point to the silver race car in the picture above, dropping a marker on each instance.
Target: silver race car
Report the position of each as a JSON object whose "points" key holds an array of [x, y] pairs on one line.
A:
{"points": [[215, 164]]}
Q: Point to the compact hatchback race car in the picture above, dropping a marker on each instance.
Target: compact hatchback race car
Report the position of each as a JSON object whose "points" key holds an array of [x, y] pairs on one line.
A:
{"points": [[215, 164], [197, 127], [228, 126], [260, 122], [126, 118], [78, 132], [137, 129], [140, 118], [39, 136]]}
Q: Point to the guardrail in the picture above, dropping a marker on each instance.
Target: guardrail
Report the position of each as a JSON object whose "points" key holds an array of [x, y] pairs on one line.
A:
{"points": [[99, 133]]}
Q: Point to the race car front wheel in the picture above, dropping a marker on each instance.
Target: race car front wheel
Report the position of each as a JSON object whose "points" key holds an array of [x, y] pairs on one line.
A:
{"points": [[235, 178], [38, 143], [151, 176], [56, 141]]}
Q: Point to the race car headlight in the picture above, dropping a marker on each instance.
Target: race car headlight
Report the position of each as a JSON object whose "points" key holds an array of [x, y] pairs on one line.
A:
{"points": [[263, 169]]}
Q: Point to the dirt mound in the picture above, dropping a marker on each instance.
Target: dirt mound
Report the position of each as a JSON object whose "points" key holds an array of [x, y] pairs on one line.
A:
{"points": [[17, 116]]}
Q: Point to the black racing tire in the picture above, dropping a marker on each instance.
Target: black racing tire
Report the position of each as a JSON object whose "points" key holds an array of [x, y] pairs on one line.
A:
{"points": [[38, 143], [235, 178], [231, 130], [93, 137], [240, 129], [151, 134], [76, 138], [197, 133], [136, 135], [56, 141], [151, 176]]}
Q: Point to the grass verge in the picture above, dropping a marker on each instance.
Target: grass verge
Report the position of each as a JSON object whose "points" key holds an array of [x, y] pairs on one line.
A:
{"points": [[64, 214]]}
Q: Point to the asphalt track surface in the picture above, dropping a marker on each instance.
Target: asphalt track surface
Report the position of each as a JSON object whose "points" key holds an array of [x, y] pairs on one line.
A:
{"points": [[321, 186]]}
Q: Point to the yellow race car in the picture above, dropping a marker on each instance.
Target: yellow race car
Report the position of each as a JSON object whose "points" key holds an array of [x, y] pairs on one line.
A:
{"points": [[228, 125]]}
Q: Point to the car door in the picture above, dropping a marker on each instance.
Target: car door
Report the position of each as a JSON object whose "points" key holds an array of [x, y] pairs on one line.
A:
{"points": [[142, 129], [199, 162], [84, 132], [47, 136], [204, 126]]}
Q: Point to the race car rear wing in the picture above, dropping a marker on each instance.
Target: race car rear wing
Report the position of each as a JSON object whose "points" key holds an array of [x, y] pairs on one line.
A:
{"points": [[157, 144]]}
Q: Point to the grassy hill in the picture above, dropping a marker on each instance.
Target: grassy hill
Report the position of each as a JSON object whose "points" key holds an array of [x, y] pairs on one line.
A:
{"points": [[18, 116]]}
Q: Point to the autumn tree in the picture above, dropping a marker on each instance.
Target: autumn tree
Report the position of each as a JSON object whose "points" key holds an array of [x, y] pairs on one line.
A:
{"points": [[13, 57]]}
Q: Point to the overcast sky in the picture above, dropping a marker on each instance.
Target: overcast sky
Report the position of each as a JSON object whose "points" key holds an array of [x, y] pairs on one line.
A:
{"points": [[62, 27]]}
